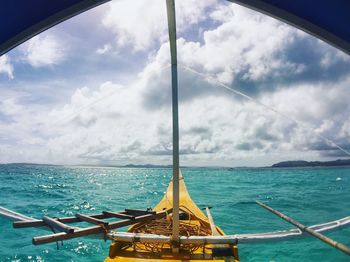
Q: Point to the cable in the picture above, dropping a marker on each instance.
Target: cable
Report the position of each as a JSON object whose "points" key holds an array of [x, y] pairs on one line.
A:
{"points": [[208, 77]]}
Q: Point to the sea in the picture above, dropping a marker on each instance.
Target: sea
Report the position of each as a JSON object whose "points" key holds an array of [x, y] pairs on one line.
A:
{"points": [[309, 195]]}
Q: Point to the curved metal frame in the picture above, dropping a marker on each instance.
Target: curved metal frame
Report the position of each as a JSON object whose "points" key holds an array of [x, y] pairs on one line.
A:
{"points": [[49, 22], [295, 21], [256, 5]]}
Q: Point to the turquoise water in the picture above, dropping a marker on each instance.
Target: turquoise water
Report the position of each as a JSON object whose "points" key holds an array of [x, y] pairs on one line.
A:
{"points": [[309, 195]]}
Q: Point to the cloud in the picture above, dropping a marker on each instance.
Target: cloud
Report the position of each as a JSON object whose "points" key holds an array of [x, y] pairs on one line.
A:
{"points": [[257, 53], [110, 125], [117, 129], [105, 49], [128, 119], [44, 50], [142, 24], [131, 28], [235, 52], [6, 67], [250, 52]]}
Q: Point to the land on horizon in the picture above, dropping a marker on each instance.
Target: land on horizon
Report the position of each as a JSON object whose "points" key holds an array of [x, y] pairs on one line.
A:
{"points": [[283, 164], [303, 163]]}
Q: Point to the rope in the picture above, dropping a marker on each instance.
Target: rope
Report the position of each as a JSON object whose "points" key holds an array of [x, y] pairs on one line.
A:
{"points": [[208, 77], [164, 227]]}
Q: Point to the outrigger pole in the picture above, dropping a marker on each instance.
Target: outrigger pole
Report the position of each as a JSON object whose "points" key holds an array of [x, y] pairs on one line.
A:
{"points": [[309, 230], [174, 86]]}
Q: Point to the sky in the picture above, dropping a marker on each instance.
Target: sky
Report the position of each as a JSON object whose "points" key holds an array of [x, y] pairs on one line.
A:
{"points": [[95, 89]]}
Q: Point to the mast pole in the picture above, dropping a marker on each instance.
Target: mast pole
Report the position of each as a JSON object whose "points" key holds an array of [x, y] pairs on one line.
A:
{"points": [[174, 83]]}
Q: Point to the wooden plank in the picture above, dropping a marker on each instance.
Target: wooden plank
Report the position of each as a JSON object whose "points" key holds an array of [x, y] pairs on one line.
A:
{"points": [[95, 229], [219, 250], [40, 223], [14, 216], [138, 212], [118, 215], [29, 223], [57, 225], [91, 220], [304, 228], [214, 231]]}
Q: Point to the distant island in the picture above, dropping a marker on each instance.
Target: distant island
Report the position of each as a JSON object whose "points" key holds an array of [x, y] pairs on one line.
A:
{"points": [[85, 165], [146, 166], [302, 163], [296, 163]]}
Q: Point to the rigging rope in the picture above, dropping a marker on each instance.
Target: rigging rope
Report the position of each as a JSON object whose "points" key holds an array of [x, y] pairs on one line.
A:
{"points": [[235, 91], [164, 227], [208, 77]]}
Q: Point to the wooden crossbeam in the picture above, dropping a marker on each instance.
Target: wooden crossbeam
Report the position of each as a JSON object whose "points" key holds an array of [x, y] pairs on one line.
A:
{"points": [[138, 212], [58, 225], [95, 229], [31, 223], [118, 215], [66, 220], [214, 231], [91, 220], [219, 250]]}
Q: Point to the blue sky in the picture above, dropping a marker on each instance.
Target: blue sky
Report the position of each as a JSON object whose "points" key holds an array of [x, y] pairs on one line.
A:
{"points": [[95, 89]]}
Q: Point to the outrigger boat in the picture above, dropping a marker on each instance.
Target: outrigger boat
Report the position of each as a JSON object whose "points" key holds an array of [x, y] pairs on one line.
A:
{"points": [[192, 223], [175, 229], [149, 238]]}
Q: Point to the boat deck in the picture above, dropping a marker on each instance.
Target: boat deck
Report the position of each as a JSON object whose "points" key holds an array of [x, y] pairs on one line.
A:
{"points": [[193, 222], [123, 259]]}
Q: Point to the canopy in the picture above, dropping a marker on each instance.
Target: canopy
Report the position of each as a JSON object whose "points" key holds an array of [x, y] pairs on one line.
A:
{"points": [[328, 20], [22, 19]]}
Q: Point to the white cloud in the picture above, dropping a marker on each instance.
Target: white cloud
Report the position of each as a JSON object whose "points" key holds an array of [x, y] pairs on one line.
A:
{"points": [[10, 106], [143, 23], [329, 57], [137, 22], [44, 50], [5, 66], [131, 122], [110, 124], [105, 49], [246, 44]]}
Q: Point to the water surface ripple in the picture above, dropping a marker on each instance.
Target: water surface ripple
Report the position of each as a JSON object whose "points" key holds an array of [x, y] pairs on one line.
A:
{"points": [[310, 195]]}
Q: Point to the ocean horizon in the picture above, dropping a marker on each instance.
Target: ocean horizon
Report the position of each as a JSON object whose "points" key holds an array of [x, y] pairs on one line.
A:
{"points": [[283, 164]]}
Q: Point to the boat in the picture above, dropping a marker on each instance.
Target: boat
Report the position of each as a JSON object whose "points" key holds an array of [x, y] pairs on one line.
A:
{"points": [[193, 222], [176, 229]]}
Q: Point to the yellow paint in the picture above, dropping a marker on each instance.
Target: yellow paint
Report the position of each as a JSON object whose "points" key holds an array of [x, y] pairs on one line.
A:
{"points": [[128, 254], [122, 259], [186, 203]]}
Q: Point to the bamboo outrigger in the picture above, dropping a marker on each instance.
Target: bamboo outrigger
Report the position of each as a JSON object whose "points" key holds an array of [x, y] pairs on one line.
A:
{"points": [[195, 231], [175, 229]]}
